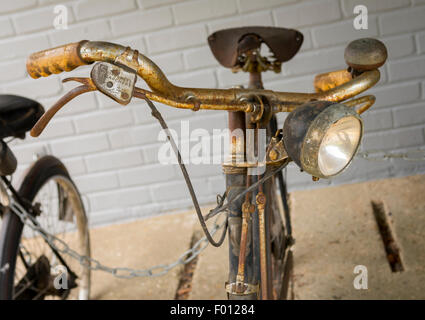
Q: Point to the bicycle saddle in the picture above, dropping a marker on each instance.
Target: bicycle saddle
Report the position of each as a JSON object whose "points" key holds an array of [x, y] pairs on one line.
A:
{"points": [[227, 44], [18, 115]]}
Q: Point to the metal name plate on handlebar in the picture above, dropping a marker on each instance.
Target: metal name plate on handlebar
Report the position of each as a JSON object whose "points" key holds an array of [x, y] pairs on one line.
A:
{"points": [[116, 82]]}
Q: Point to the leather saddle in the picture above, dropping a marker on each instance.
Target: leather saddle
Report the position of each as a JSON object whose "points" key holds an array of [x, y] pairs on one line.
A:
{"points": [[228, 44], [18, 115]]}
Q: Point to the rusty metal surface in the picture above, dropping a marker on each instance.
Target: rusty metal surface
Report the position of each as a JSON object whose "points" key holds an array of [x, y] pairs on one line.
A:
{"points": [[261, 205], [55, 60], [87, 86], [246, 213], [217, 99], [284, 43], [93, 51], [249, 58], [322, 123], [298, 125], [276, 152], [235, 99], [114, 81], [365, 103], [365, 54]]}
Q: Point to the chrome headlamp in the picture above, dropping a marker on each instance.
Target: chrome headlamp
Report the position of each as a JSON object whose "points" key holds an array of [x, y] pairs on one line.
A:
{"points": [[322, 137]]}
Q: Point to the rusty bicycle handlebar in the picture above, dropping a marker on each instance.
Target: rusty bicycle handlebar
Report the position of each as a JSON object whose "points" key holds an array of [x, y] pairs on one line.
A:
{"points": [[71, 56]]}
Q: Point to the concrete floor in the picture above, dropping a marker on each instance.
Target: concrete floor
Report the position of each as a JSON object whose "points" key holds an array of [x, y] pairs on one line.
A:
{"points": [[334, 228], [141, 244]]}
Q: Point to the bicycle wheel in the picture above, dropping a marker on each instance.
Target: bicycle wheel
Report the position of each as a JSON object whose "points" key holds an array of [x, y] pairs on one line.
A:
{"points": [[278, 234], [31, 269], [278, 241]]}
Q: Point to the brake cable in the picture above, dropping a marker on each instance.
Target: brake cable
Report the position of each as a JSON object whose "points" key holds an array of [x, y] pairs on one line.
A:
{"points": [[220, 199], [156, 114]]}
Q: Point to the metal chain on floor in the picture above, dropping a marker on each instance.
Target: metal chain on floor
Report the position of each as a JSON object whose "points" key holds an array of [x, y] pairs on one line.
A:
{"points": [[413, 155], [187, 256], [119, 272]]}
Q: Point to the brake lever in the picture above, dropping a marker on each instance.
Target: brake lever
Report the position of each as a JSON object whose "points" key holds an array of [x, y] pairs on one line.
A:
{"points": [[115, 81], [88, 85]]}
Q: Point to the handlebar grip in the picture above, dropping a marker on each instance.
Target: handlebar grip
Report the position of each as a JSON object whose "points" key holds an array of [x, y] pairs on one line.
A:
{"points": [[55, 60], [326, 81]]}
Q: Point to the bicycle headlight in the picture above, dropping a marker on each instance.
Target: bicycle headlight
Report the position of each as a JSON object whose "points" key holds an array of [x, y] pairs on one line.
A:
{"points": [[322, 137]]}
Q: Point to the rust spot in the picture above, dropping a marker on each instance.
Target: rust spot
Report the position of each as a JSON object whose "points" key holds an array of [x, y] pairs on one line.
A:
{"points": [[261, 198], [46, 70]]}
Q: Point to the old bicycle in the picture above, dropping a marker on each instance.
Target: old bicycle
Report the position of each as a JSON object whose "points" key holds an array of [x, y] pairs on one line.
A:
{"points": [[51, 202], [321, 134]]}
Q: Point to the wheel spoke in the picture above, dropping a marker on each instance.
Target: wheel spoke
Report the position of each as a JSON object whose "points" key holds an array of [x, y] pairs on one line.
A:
{"points": [[34, 279]]}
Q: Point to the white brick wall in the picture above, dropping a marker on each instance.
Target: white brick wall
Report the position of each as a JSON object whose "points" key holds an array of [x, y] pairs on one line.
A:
{"points": [[111, 150]]}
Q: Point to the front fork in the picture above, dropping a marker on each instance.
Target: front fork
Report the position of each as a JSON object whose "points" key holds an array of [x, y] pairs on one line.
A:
{"points": [[247, 226], [243, 277], [249, 236]]}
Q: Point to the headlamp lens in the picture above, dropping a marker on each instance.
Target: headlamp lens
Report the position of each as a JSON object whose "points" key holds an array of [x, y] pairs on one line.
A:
{"points": [[339, 145]]}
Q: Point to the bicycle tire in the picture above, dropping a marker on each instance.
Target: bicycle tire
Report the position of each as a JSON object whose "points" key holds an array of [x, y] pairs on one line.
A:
{"points": [[280, 258], [279, 281], [43, 171]]}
